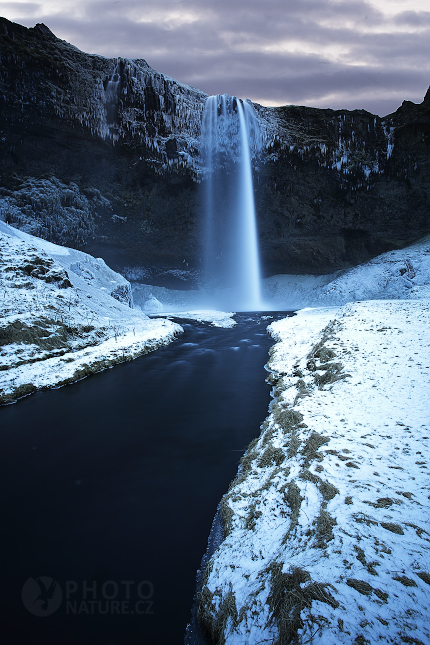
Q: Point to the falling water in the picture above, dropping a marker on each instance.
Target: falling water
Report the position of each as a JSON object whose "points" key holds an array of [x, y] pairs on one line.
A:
{"points": [[111, 97], [230, 136]]}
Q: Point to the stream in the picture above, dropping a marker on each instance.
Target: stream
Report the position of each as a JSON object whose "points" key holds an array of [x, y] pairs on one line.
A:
{"points": [[110, 485]]}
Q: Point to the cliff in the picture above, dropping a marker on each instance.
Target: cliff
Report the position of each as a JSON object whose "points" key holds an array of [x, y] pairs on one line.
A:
{"points": [[103, 154]]}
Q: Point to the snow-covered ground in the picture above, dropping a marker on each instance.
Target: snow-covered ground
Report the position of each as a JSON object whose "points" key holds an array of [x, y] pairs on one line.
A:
{"points": [[64, 315], [215, 318], [401, 274], [327, 523]]}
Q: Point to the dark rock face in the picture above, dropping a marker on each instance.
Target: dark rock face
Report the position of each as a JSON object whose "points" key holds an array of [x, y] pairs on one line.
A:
{"points": [[113, 146], [341, 187], [123, 294], [56, 128]]}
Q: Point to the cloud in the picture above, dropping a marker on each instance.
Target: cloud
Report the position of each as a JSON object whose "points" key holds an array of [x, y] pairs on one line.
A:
{"points": [[419, 20], [357, 54], [17, 9]]}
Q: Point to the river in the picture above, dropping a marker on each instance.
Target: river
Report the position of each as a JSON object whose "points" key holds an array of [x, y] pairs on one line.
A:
{"points": [[110, 485]]}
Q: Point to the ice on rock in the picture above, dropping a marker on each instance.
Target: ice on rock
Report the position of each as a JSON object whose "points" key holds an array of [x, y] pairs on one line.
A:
{"points": [[152, 305]]}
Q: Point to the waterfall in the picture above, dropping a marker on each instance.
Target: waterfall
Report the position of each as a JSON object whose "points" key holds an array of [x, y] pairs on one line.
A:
{"points": [[111, 97], [230, 138]]}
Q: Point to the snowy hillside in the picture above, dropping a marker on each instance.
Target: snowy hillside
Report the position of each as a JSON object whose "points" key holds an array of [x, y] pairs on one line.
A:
{"points": [[64, 315], [403, 274], [327, 523]]}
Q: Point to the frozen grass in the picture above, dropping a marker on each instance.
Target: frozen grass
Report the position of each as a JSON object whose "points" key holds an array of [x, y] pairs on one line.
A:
{"points": [[53, 210]]}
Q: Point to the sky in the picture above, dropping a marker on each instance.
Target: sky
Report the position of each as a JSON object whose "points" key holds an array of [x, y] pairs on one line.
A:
{"points": [[344, 54]]}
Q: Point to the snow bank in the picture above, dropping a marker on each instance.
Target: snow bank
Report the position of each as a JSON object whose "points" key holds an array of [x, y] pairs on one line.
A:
{"points": [[64, 315], [215, 318], [176, 303], [327, 524], [403, 274]]}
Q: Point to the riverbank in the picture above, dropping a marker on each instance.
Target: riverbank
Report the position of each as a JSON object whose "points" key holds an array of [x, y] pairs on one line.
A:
{"points": [[327, 529], [65, 315]]}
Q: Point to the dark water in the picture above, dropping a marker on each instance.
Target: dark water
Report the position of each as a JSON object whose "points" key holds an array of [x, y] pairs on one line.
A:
{"points": [[109, 487]]}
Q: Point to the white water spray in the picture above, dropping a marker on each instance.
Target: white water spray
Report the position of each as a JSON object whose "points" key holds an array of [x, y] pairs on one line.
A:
{"points": [[230, 136], [111, 97]]}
